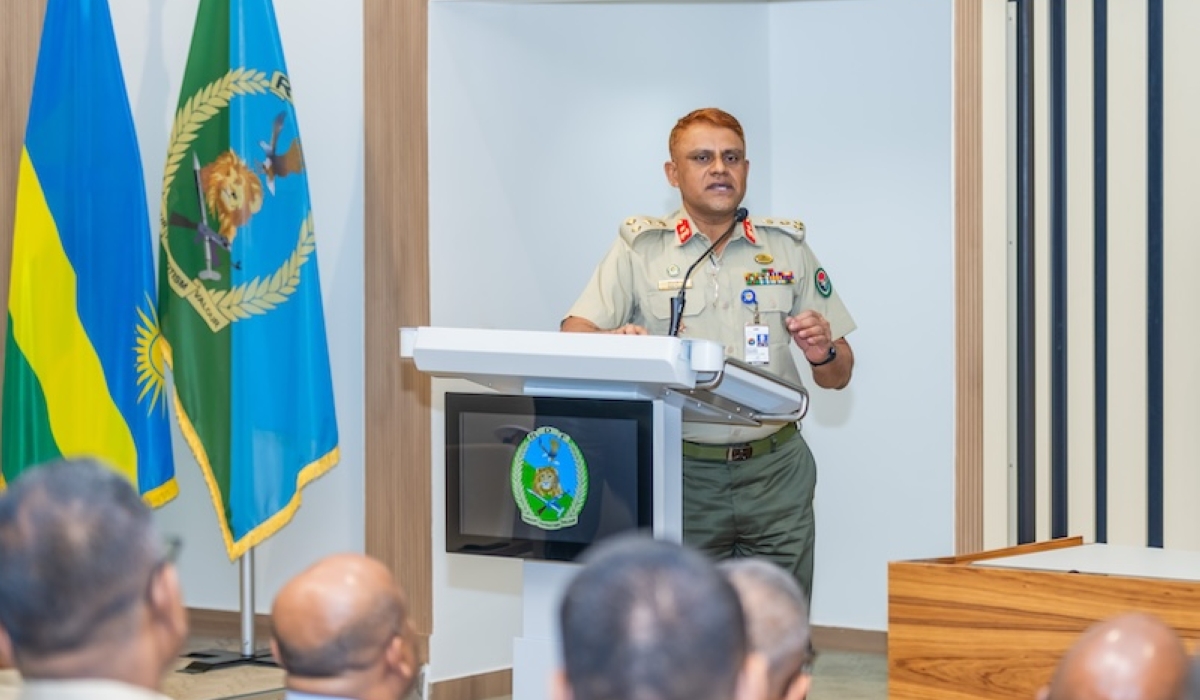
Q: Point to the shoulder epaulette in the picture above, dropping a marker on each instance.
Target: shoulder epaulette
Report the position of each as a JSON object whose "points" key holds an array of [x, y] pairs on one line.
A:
{"points": [[792, 227], [635, 226]]}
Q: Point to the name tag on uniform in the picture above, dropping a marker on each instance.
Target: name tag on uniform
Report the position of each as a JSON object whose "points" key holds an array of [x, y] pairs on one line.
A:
{"points": [[671, 285], [758, 344]]}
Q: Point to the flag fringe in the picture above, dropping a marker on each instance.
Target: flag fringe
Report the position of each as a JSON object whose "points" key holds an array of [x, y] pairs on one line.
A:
{"points": [[158, 496], [271, 525]]}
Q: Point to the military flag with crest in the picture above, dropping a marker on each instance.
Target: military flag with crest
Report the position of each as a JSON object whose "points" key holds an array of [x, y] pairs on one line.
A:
{"points": [[241, 302], [83, 370]]}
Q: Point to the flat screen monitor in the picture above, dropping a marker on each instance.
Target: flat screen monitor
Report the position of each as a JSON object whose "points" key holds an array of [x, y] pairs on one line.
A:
{"points": [[545, 478]]}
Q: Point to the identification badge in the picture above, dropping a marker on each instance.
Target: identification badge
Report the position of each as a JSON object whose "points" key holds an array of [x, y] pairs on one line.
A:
{"points": [[758, 344]]}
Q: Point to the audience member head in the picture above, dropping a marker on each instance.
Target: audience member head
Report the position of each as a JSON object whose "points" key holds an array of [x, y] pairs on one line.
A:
{"points": [[652, 620], [1133, 656], [340, 628], [87, 588], [776, 612]]}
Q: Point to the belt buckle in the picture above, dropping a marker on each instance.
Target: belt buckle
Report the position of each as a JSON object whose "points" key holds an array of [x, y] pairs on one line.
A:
{"points": [[738, 453]]}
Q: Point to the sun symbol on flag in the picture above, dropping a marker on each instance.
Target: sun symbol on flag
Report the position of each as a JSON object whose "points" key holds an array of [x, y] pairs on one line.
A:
{"points": [[150, 365]]}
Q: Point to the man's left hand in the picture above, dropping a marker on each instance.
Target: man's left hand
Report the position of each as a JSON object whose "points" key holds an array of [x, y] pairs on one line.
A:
{"points": [[810, 331]]}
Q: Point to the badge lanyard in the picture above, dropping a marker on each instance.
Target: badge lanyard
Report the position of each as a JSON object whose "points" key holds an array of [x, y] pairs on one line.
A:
{"points": [[758, 334]]}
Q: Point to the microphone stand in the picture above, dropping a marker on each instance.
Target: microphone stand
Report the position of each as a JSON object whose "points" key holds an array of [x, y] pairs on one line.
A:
{"points": [[679, 301]]}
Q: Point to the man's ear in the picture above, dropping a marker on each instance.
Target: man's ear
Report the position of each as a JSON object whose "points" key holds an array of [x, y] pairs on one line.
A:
{"points": [[402, 657], [275, 653], [560, 688], [799, 688], [672, 173], [6, 650], [166, 606], [752, 681]]}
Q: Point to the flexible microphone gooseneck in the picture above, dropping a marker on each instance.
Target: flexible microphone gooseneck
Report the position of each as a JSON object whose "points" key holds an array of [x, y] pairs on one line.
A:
{"points": [[678, 302]]}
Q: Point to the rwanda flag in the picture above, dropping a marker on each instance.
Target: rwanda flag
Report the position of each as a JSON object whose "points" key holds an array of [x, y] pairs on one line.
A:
{"points": [[241, 297], [83, 371]]}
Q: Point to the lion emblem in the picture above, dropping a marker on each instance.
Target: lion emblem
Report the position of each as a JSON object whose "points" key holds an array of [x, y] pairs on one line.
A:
{"points": [[545, 483], [232, 191]]}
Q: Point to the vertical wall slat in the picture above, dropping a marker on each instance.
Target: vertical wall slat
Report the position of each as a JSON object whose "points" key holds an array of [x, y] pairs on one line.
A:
{"points": [[397, 476], [1081, 479], [1100, 252], [1181, 284], [1059, 437], [1154, 274], [1127, 302], [968, 264], [1026, 415]]}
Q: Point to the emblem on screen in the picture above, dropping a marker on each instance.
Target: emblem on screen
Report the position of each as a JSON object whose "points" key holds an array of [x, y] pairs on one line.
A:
{"points": [[549, 479]]}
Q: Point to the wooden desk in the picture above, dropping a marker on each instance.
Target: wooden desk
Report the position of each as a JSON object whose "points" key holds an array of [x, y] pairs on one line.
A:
{"points": [[994, 624]]}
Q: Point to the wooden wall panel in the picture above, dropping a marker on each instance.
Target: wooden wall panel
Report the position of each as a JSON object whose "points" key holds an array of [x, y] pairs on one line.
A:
{"points": [[20, 32], [397, 472], [968, 251]]}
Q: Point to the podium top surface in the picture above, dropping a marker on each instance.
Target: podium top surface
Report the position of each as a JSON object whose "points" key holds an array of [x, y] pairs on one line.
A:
{"points": [[693, 373], [1109, 560]]}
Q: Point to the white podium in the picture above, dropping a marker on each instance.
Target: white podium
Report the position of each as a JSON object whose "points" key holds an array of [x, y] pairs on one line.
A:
{"points": [[684, 380]]}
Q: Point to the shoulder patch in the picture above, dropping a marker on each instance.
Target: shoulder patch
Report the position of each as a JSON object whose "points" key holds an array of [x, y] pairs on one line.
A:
{"points": [[635, 226], [792, 227]]}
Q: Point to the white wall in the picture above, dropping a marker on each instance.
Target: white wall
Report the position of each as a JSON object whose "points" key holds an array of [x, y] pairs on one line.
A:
{"points": [[861, 126], [153, 37], [548, 126]]}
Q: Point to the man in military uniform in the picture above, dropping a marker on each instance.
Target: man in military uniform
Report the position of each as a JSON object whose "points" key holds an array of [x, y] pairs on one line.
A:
{"points": [[748, 491]]}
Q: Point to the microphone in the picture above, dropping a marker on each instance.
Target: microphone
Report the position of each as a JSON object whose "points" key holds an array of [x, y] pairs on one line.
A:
{"points": [[678, 302]]}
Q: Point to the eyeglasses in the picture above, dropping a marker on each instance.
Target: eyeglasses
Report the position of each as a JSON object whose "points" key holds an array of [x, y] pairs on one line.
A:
{"points": [[172, 544]]}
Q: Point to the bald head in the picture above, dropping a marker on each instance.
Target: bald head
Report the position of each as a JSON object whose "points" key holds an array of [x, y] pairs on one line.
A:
{"points": [[337, 617], [1129, 657]]}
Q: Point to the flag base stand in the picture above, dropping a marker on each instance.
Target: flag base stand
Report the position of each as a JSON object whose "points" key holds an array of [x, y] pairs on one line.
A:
{"points": [[216, 659]]}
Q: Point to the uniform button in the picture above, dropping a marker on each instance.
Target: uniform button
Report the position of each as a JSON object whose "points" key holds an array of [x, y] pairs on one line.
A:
{"points": [[724, 305], [728, 349]]}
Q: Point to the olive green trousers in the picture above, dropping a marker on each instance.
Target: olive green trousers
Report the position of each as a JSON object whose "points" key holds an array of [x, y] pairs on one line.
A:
{"points": [[760, 507]]}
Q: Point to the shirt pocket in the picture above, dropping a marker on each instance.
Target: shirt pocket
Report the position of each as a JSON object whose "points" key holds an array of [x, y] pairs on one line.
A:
{"points": [[658, 304], [774, 305]]}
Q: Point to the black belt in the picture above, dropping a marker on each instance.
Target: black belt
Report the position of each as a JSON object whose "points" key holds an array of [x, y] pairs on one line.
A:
{"points": [[740, 452]]}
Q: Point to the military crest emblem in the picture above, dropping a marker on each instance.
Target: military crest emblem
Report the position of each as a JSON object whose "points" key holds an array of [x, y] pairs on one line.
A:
{"points": [[215, 192], [549, 479]]}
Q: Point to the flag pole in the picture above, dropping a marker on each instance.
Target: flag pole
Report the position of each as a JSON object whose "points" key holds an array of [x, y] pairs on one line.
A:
{"points": [[247, 655]]}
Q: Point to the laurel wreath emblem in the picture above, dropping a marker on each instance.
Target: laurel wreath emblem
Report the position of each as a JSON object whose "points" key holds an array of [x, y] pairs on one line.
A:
{"points": [[259, 295]]}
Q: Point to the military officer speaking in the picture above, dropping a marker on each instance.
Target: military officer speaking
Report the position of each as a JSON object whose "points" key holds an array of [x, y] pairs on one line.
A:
{"points": [[748, 491]]}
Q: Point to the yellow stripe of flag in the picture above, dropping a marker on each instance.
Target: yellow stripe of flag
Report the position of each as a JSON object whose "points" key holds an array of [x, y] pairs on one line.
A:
{"points": [[46, 326]]}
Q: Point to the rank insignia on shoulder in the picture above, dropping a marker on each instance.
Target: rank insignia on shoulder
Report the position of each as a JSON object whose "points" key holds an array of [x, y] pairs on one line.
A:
{"points": [[634, 226], [824, 284], [768, 276]]}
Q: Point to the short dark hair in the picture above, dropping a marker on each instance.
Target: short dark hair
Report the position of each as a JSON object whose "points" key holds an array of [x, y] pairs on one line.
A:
{"points": [[355, 648], [77, 547], [651, 620]]}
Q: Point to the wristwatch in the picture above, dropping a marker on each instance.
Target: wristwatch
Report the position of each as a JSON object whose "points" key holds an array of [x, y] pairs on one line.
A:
{"points": [[828, 358]]}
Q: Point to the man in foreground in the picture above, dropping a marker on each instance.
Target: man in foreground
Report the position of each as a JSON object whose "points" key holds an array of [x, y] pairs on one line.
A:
{"points": [[90, 602], [340, 629], [776, 622], [1133, 656], [653, 620]]}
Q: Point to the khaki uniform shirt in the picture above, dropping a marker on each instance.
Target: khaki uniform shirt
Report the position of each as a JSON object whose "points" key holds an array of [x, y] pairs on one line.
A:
{"points": [[644, 268]]}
